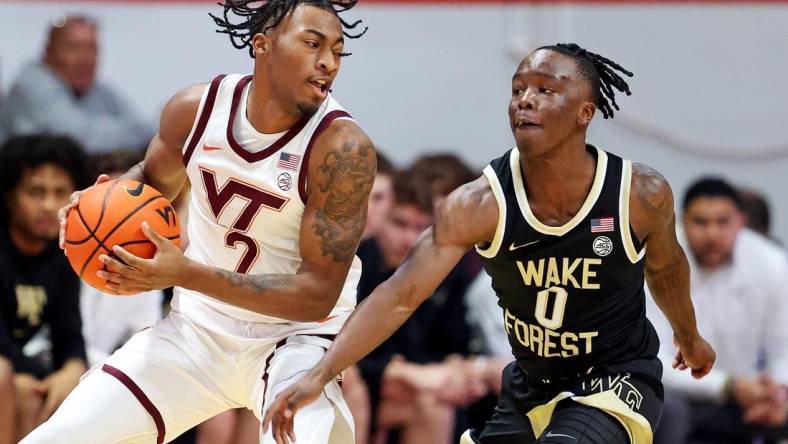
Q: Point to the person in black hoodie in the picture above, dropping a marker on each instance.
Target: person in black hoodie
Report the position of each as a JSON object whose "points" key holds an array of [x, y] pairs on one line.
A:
{"points": [[39, 292]]}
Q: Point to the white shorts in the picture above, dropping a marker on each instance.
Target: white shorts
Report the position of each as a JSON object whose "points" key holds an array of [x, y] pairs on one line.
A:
{"points": [[183, 373]]}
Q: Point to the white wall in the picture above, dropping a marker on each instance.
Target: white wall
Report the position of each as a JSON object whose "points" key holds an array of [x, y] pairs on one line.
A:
{"points": [[710, 79]]}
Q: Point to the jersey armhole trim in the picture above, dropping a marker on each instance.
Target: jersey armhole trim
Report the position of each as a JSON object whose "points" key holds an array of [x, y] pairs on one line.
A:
{"points": [[303, 172], [204, 112], [623, 211], [495, 185]]}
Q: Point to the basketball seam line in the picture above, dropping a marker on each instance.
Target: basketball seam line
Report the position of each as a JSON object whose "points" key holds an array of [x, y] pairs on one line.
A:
{"points": [[91, 231], [143, 241], [115, 228]]}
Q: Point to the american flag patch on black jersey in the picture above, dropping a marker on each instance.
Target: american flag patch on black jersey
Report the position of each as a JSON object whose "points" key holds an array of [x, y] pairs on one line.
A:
{"points": [[288, 161], [603, 225]]}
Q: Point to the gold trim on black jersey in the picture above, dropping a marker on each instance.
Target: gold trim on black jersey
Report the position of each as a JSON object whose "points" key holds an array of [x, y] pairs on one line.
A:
{"points": [[623, 211], [500, 230], [525, 208]]}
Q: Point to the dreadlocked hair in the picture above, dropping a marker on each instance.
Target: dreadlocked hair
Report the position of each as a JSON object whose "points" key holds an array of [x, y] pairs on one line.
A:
{"points": [[600, 72], [258, 16]]}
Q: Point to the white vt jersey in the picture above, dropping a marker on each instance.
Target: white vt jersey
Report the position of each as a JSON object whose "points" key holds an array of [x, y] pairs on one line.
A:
{"points": [[248, 193]]}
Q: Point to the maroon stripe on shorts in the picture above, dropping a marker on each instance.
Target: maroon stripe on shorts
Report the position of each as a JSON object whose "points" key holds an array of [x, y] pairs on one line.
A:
{"points": [[141, 397], [203, 120], [304, 171], [326, 337], [268, 364]]}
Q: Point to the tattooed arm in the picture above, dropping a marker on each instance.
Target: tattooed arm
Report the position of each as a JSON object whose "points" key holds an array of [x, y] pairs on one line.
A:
{"points": [[341, 171], [667, 270]]}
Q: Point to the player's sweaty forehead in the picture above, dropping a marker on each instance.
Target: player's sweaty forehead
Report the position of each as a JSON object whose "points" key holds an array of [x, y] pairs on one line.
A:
{"points": [[316, 21], [551, 65]]}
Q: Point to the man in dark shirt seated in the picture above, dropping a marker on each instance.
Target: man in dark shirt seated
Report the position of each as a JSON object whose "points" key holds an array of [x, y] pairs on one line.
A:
{"points": [[38, 289], [416, 378]]}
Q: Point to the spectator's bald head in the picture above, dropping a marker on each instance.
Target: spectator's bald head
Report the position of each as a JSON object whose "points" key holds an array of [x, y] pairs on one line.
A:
{"points": [[72, 51]]}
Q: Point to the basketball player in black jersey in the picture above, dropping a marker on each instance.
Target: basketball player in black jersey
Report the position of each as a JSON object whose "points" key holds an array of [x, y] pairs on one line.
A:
{"points": [[568, 233]]}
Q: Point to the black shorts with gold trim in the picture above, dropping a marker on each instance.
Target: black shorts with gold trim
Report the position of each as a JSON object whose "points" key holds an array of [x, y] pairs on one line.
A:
{"points": [[629, 392]]}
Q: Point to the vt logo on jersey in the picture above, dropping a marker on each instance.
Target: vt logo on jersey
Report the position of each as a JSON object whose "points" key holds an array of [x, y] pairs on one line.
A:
{"points": [[248, 201], [254, 197]]}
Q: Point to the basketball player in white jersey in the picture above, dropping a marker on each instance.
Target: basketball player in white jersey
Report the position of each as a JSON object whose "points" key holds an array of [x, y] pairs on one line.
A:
{"points": [[280, 176]]}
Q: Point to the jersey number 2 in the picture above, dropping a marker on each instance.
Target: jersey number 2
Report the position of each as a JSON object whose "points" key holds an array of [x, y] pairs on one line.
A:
{"points": [[255, 199]]}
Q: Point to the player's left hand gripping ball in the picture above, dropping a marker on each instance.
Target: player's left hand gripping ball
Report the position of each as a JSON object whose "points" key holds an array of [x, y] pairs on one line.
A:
{"points": [[130, 274]]}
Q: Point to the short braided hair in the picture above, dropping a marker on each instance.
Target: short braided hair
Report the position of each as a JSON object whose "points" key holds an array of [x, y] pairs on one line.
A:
{"points": [[258, 16], [600, 72]]}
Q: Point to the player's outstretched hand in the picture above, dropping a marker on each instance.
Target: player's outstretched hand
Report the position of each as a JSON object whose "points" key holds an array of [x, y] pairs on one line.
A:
{"points": [[695, 354], [73, 202], [281, 414], [129, 274]]}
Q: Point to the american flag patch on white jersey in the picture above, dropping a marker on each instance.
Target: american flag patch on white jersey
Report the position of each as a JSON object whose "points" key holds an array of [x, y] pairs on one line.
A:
{"points": [[603, 225], [288, 161]]}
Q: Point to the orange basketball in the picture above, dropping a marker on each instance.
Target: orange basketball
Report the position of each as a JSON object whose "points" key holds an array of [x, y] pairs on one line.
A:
{"points": [[109, 214]]}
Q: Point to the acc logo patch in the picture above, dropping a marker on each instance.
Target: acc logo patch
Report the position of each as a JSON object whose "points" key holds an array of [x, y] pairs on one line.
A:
{"points": [[603, 246], [284, 181]]}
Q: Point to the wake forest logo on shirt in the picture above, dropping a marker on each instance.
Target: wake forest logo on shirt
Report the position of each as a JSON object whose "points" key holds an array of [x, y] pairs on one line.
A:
{"points": [[557, 276], [30, 301]]}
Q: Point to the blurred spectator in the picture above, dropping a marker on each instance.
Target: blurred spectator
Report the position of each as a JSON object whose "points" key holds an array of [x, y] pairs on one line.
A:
{"points": [[60, 95], [740, 292], [116, 162], [414, 379], [489, 342], [441, 173], [109, 321], [484, 315], [381, 197], [756, 210], [38, 289]]}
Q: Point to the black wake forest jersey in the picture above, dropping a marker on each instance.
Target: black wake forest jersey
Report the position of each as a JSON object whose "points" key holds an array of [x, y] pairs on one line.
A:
{"points": [[572, 296]]}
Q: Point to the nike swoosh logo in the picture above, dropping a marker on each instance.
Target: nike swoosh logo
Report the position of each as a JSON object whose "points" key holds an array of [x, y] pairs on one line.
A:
{"points": [[551, 435], [211, 148], [135, 192], [513, 247]]}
